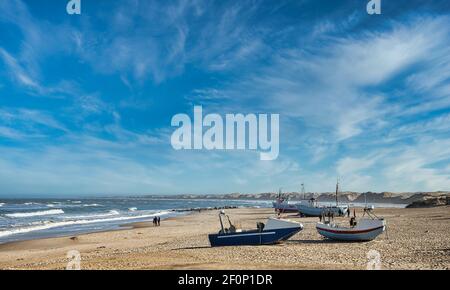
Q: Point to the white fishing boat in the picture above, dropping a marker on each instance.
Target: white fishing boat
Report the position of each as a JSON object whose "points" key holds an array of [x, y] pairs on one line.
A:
{"points": [[310, 207], [364, 229]]}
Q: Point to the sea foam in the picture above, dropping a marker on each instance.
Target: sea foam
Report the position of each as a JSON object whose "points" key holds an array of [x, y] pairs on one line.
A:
{"points": [[36, 213], [91, 216], [50, 225]]}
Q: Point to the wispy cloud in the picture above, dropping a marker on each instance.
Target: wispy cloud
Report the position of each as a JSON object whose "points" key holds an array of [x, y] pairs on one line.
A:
{"points": [[368, 100], [18, 73], [29, 119], [166, 37]]}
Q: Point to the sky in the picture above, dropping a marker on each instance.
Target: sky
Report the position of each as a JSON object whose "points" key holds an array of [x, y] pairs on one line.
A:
{"points": [[86, 101]]}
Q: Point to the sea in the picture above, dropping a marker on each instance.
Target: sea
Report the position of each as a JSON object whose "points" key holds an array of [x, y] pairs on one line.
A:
{"points": [[27, 219]]}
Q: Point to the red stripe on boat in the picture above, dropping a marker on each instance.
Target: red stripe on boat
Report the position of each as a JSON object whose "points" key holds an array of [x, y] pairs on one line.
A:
{"points": [[350, 232]]}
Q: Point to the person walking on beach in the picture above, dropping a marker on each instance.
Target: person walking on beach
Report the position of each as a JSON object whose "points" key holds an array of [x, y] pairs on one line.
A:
{"points": [[155, 221], [159, 221]]}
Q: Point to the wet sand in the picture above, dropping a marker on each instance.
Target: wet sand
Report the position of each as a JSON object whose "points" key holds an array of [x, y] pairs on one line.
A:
{"points": [[415, 239]]}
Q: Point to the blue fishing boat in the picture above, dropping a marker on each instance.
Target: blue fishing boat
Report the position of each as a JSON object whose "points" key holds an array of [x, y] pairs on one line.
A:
{"points": [[274, 231], [283, 205]]}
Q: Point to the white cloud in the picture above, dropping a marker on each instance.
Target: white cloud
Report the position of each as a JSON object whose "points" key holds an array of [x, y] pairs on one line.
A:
{"points": [[28, 119], [349, 165], [329, 88], [18, 72], [63, 171], [439, 124], [411, 167], [41, 39], [327, 99], [154, 40], [10, 133], [329, 93]]}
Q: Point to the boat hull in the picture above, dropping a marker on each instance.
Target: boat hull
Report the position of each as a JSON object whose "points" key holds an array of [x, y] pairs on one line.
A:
{"points": [[251, 238], [351, 234], [284, 207], [311, 211]]}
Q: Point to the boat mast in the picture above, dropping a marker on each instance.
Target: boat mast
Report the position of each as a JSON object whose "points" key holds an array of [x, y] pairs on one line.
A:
{"points": [[337, 191], [303, 191]]}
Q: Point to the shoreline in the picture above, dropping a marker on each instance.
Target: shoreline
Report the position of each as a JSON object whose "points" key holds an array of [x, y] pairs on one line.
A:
{"points": [[164, 214], [417, 239], [169, 213]]}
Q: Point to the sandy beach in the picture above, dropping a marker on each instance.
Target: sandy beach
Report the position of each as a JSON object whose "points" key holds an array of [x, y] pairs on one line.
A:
{"points": [[416, 239]]}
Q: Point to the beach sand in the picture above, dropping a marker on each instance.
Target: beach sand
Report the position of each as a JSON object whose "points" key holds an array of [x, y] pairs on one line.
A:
{"points": [[416, 239]]}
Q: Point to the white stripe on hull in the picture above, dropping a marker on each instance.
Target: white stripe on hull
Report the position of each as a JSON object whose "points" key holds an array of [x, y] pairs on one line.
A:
{"points": [[245, 235]]}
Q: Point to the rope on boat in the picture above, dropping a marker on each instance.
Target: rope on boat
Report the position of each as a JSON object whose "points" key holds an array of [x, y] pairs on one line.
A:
{"points": [[387, 236]]}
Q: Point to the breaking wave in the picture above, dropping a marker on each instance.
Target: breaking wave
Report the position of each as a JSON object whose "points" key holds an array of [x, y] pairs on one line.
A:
{"points": [[49, 225], [36, 213]]}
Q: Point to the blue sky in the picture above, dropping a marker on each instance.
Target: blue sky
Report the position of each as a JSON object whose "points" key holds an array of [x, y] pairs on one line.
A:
{"points": [[86, 101]]}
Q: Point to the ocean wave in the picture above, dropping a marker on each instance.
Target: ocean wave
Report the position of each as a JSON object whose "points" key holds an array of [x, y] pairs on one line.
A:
{"points": [[35, 223], [90, 216], [2, 204], [36, 213], [92, 205], [132, 209], [31, 203], [51, 225]]}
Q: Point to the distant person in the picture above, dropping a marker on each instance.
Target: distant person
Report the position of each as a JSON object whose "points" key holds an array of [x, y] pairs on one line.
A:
{"points": [[348, 212], [155, 221], [159, 221]]}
